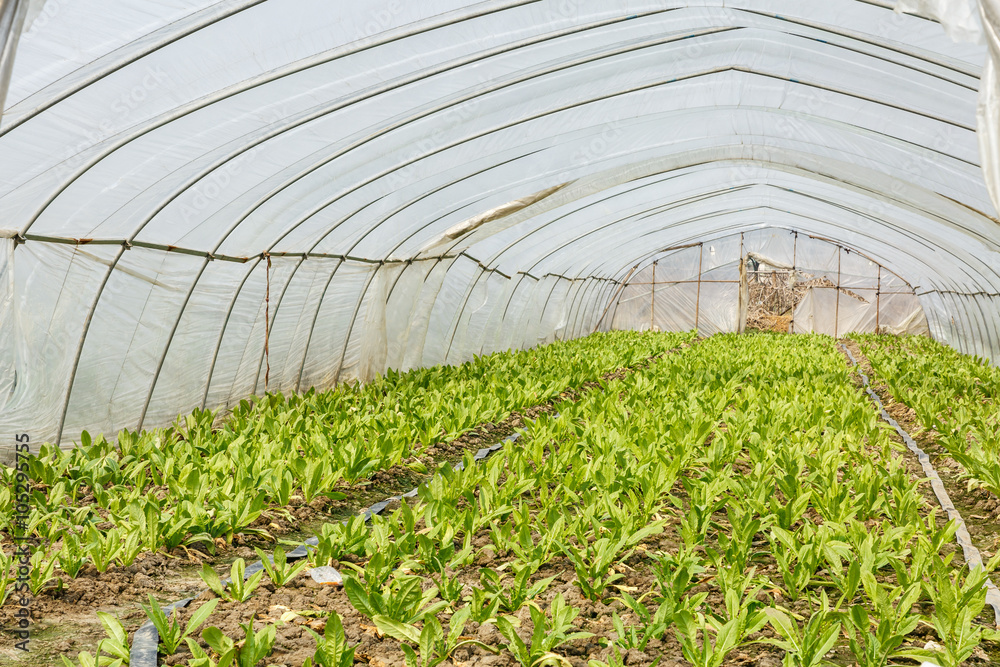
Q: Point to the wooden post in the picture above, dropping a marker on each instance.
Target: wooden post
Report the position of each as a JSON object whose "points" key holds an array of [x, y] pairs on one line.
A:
{"points": [[267, 325], [795, 250], [697, 298], [652, 298], [836, 316], [741, 325], [878, 298]]}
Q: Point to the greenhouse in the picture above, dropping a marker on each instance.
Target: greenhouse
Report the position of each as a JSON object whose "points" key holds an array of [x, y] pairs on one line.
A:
{"points": [[514, 332]]}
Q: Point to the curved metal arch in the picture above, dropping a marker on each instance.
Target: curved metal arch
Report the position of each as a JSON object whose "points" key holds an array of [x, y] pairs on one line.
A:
{"points": [[216, 248], [194, 107], [629, 261], [496, 256], [478, 135], [474, 58], [584, 295], [79, 348], [923, 212], [245, 145], [384, 218], [222, 332], [385, 131], [397, 167], [312, 327], [219, 16], [453, 65], [478, 56], [264, 79], [175, 326], [319, 305], [218, 245], [170, 338], [581, 303]]}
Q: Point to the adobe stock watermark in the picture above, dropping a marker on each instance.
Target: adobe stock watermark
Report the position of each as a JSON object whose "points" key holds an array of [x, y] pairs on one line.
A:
{"points": [[116, 120], [48, 12], [217, 183], [379, 21], [21, 560], [596, 147], [446, 125]]}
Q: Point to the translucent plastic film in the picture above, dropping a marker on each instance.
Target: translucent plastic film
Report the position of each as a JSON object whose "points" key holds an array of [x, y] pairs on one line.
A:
{"points": [[782, 281], [203, 201]]}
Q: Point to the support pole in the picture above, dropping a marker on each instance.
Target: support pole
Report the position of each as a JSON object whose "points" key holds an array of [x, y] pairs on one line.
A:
{"points": [[652, 298], [878, 298], [742, 305], [267, 324], [621, 288], [795, 259], [697, 298], [836, 316]]}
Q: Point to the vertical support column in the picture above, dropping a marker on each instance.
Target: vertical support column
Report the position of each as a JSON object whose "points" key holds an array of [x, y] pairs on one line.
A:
{"points": [[878, 298], [697, 298], [836, 316], [742, 303], [267, 324], [795, 267], [652, 298], [614, 300]]}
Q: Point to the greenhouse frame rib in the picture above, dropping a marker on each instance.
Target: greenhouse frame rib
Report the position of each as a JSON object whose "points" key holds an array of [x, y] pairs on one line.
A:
{"points": [[496, 189]]}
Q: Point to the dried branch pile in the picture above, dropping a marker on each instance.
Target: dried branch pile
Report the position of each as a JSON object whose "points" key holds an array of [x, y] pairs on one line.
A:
{"points": [[774, 295]]}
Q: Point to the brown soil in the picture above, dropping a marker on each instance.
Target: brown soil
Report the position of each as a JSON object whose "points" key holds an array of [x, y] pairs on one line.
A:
{"points": [[294, 644]]}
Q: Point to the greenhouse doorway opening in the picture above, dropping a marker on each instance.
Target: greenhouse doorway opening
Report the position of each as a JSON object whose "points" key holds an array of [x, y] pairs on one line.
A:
{"points": [[772, 295], [766, 280]]}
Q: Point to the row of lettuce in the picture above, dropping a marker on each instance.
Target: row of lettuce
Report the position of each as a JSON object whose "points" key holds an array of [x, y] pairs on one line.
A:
{"points": [[745, 481], [953, 395], [201, 482]]}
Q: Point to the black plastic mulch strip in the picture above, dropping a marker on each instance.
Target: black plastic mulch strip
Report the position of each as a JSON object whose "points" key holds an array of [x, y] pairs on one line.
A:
{"points": [[145, 643], [962, 536], [146, 640]]}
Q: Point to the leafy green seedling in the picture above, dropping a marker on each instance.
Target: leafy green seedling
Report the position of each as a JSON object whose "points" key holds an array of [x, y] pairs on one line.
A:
{"points": [[482, 606], [401, 601], [72, 556], [513, 596], [223, 647], [431, 643], [171, 634], [280, 571], [238, 589], [42, 572], [548, 632], [807, 645], [331, 649], [116, 642], [256, 646], [958, 600]]}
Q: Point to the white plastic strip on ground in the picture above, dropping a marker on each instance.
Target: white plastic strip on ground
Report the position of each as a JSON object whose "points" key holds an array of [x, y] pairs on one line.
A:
{"points": [[969, 550]]}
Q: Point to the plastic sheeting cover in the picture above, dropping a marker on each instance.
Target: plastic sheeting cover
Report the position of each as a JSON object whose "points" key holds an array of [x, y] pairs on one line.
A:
{"points": [[398, 184]]}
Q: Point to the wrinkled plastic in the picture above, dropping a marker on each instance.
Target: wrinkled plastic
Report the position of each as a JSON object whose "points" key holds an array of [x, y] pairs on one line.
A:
{"points": [[429, 181]]}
